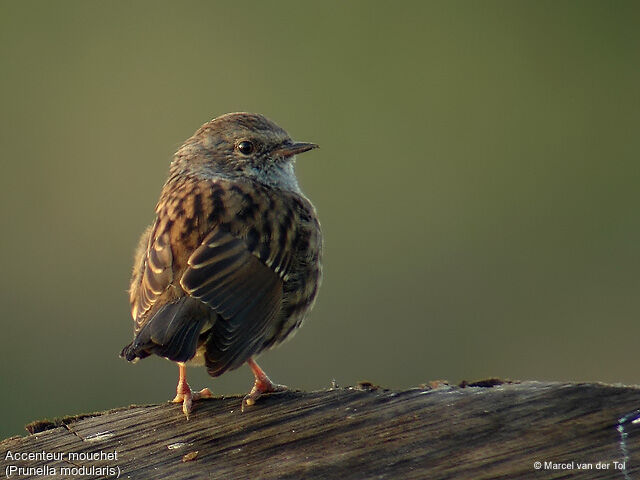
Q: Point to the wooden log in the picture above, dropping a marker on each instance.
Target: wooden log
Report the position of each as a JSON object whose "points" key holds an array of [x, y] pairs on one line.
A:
{"points": [[472, 431]]}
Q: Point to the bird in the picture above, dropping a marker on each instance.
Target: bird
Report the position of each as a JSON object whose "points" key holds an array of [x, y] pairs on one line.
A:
{"points": [[232, 264]]}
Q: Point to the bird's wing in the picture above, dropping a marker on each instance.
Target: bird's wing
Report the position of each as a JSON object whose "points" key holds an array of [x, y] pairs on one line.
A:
{"points": [[165, 325], [153, 274], [229, 246], [246, 293]]}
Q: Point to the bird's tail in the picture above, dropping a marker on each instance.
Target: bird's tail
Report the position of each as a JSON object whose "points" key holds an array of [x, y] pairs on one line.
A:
{"points": [[171, 333], [131, 353]]}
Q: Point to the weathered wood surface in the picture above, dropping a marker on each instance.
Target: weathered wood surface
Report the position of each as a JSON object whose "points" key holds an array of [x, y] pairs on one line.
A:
{"points": [[447, 432]]}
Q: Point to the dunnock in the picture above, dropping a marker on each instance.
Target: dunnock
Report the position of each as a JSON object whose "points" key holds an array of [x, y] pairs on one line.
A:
{"points": [[231, 265]]}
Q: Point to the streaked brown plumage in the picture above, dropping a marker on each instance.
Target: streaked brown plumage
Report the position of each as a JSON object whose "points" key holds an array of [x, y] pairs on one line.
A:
{"points": [[231, 266]]}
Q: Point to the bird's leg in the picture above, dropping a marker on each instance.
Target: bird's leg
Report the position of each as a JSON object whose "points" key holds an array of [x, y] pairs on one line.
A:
{"points": [[184, 394], [262, 385]]}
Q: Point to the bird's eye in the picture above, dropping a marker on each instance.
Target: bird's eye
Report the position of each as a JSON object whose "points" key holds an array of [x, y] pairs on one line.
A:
{"points": [[245, 147]]}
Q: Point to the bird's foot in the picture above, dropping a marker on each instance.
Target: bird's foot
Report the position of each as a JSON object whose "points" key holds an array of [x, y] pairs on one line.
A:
{"points": [[185, 396], [261, 386]]}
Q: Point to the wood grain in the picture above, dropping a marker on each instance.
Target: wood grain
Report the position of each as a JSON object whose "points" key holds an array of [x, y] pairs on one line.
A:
{"points": [[477, 432]]}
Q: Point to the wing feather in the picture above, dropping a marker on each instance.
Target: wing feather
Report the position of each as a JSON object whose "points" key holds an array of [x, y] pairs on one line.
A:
{"points": [[234, 270], [155, 274], [246, 294]]}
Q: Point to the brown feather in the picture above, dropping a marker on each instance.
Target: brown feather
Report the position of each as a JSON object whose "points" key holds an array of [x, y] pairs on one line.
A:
{"points": [[246, 256]]}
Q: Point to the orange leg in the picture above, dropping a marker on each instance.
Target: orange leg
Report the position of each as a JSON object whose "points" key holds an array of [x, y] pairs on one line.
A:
{"points": [[184, 394], [262, 385]]}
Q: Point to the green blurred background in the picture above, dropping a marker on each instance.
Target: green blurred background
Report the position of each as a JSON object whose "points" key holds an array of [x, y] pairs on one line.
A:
{"points": [[477, 184]]}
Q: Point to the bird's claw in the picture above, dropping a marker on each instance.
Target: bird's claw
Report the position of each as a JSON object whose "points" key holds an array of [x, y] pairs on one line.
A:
{"points": [[259, 389], [185, 396]]}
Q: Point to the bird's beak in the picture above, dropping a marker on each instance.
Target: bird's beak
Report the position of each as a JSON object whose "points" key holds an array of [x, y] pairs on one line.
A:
{"points": [[293, 148]]}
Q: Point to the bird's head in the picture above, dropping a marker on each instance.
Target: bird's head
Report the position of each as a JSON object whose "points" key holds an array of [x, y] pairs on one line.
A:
{"points": [[241, 145]]}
